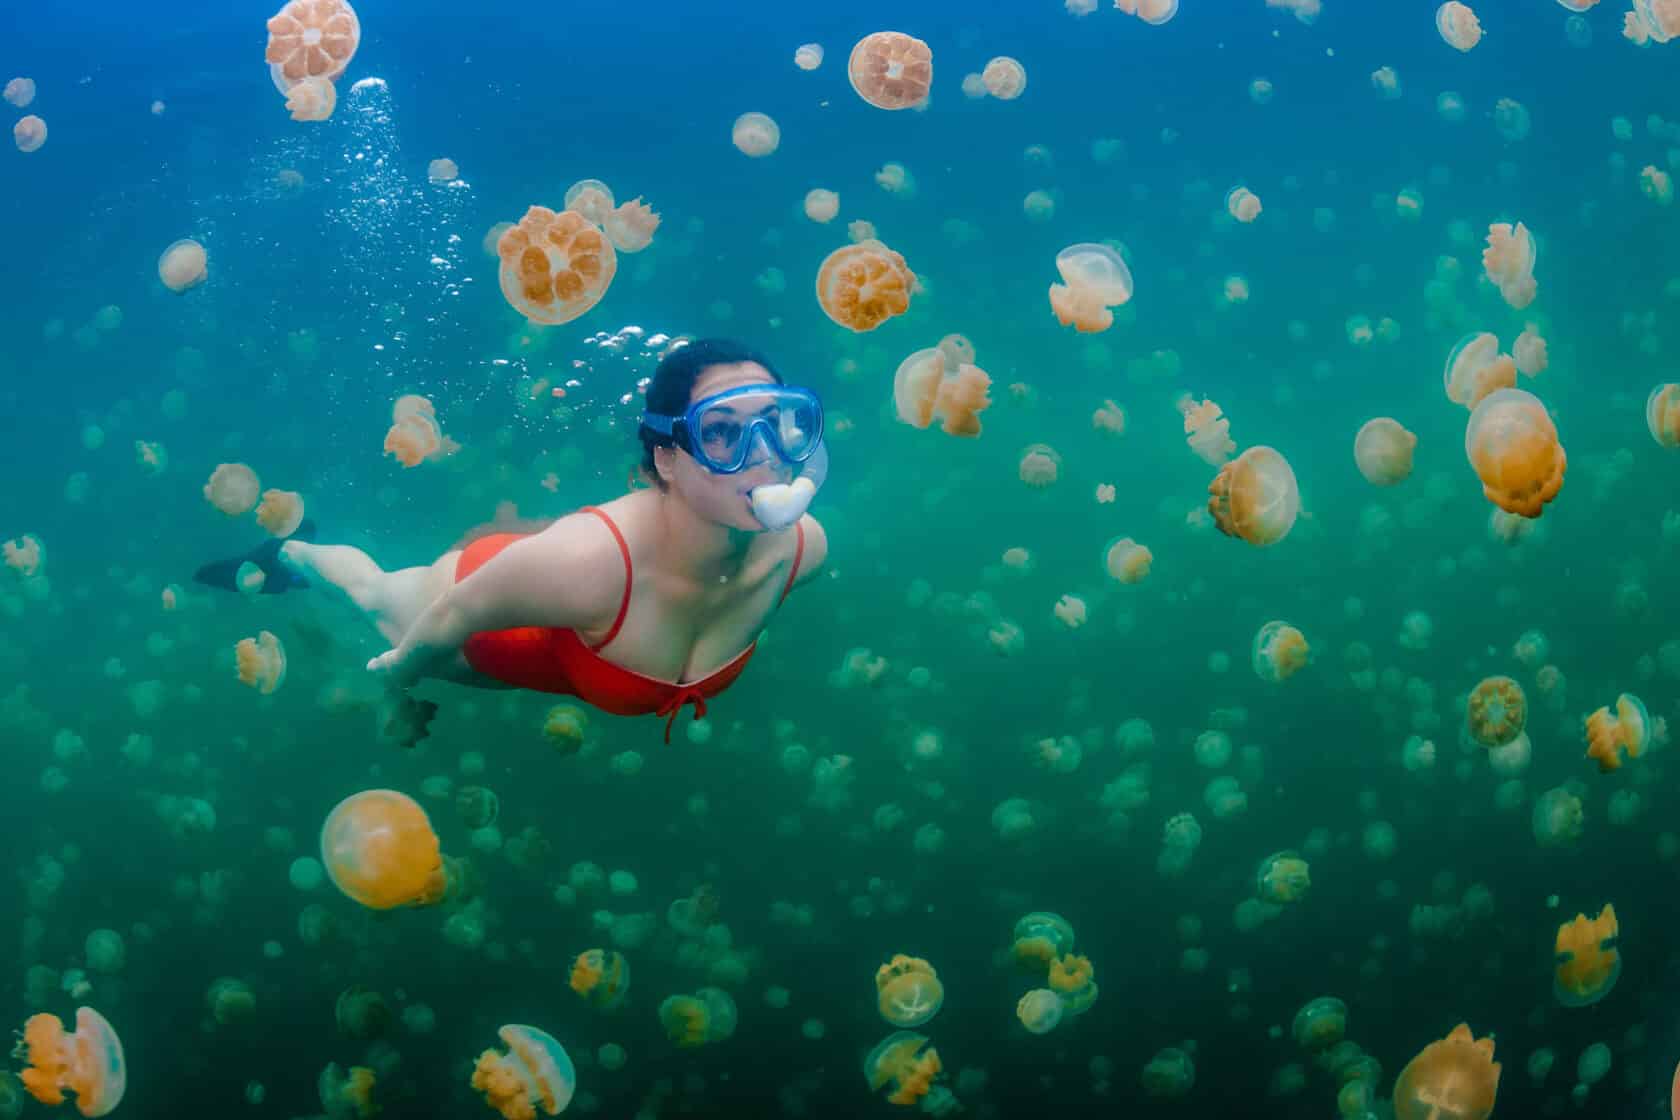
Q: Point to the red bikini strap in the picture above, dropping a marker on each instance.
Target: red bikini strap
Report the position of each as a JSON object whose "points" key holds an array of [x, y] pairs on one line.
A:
{"points": [[623, 603], [798, 552]]}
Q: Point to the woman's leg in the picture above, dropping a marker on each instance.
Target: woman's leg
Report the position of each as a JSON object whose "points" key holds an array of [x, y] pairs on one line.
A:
{"points": [[391, 600]]}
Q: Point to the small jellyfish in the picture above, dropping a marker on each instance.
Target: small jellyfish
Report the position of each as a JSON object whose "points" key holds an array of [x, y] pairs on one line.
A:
{"points": [[87, 1062], [1458, 25], [233, 489], [1512, 119], [1004, 78], [1529, 352], [1509, 261], [280, 512], [1383, 451], [312, 99], [24, 556], [477, 807], [686, 1020], [1557, 818], [1170, 1074], [861, 286], [1279, 652], [1662, 415], [1497, 712], [29, 133], [1040, 1010], [1587, 960], [1255, 497], [1656, 184], [261, 662], [379, 849], [1282, 878], [534, 1074], [809, 56], [904, 1066], [1040, 938], [183, 265], [1513, 446], [630, 226], [1455, 1077], [414, 436], [1040, 466], [20, 92], [311, 39], [554, 267], [441, 171], [1075, 981], [1386, 82], [1613, 738], [1207, 430], [591, 198], [349, 1094], [908, 991], [891, 70], [1475, 368], [821, 206], [565, 726], [1126, 561], [602, 977], [1095, 279], [755, 135], [923, 391], [362, 1013], [1242, 204], [1320, 1024]]}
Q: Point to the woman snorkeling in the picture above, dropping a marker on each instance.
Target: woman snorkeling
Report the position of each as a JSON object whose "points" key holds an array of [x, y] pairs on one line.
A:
{"points": [[642, 605]]}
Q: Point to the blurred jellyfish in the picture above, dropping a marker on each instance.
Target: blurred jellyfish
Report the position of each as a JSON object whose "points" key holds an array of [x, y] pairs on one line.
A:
{"points": [[1040, 466], [861, 286], [756, 135], [1662, 414], [29, 133], [602, 977], [1511, 118], [1279, 652], [1004, 78], [20, 92], [534, 1073], [1320, 1024], [903, 1066], [1386, 82], [1242, 204], [1126, 561], [1040, 1010], [1458, 25], [183, 265], [908, 991], [1282, 878], [1613, 738], [1529, 352], [1169, 1074], [1513, 446], [280, 512], [233, 488], [1180, 838], [1255, 497], [87, 1062], [1383, 451], [809, 56], [821, 206], [1509, 261], [1587, 960], [1557, 818], [891, 70], [1455, 1077]]}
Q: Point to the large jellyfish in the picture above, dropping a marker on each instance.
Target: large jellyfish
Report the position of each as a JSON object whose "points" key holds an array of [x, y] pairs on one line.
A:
{"points": [[379, 849], [1455, 1077], [87, 1062], [1588, 962], [311, 39], [861, 286], [891, 70], [908, 991], [1509, 261], [1458, 25], [554, 266], [1280, 651], [260, 662], [1255, 497], [1096, 279], [1662, 414], [535, 1073], [923, 391], [1614, 738], [1513, 446], [1383, 451], [1497, 711]]}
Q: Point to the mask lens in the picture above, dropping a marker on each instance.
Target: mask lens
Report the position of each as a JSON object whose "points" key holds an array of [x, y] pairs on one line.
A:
{"points": [[724, 430]]}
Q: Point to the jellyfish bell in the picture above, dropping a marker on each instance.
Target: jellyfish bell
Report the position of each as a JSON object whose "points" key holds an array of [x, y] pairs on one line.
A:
{"points": [[1509, 261], [1382, 449], [1004, 78], [1513, 446], [1040, 1011], [601, 976], [87, 1062], [1662, 414], [1612, 738], [29, 133], [1242, 204], [379, 849], [591, 198], [534, 1074], [630, 226], [311, 39], [1496, 712], [821, 206], [1283, 877], [1587, 960], [554, 267], [1279, 652], [756, 135], [685, 1019], [1458, 25], [280, 512], [891, 70], [1126, 561], [183, 265], [312, 99], [1255, 497], [908, 991], [861, 286], [809, 56], [261, 661], [1476, 368], [1098, 268], [20, 92]]}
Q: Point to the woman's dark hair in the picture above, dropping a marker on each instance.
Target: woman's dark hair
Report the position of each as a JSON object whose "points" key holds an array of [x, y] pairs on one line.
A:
{"points": [[673, 384]]}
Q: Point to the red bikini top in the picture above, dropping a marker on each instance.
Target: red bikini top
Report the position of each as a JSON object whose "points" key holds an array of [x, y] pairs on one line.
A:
{"points": [[545, 659]]}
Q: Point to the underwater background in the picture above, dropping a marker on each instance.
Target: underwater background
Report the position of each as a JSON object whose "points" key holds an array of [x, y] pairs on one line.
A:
{"points": [[997, 760]]}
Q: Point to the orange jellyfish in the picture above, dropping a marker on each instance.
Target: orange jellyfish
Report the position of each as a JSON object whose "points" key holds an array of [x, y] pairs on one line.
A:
{"points": [[756, 135], [1509, 261], [1662, 414], [891, 70], [349, 1093], [1004, 78], [1613, 738], [1255, 497], [312, 99], [1383, 451], [1497, 712], [565, 726], [1280, 651], [1127, 561], [686, 1020], [1283, 877], [87, 1061], [554, 266], [923, 391], [280, 512], [904, 1065], [1458, 25], [908, 991], [1475, 368], [29, 133], [1095, 279], [1075, 983], [311, 39], [414, 436], [261, 662], [630, 226], [534, 1074], [1242, 204], [1207, 430], [183, 265], [1513, 446], [602, 977], [1040, 938], [861, 286], [379, 849], [1455, 1077], [1588, 962]]}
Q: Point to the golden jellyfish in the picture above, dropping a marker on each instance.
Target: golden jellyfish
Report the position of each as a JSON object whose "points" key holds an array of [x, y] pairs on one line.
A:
{"points": [[1283, 878], [87, 1062], [1458, 25], [1661, 18], [1255, 497], [861, 286], [554, 266], [1280, 651], [20, 92], [1587, 960], [1320, 1024], [1040, 938], [1383, 451], [686, 1020], [379, 849], [891, 70], [1513, 446], [904, 1066], [809, 56], [924, 392], [602, 977], [535, 1074], [311, 39], [29, 133], [312, 99], [908, 991], [756, 135], [1075, 982], [1476, 368], [591, 198], [1529, 352], [1040, 466], [414, 436], [260, 662], [233, 489], [1613, 738], [1153, 12], [1453, 1079], [1496, 712], [1242, 204], [1095, 278], [1206, 429], [183, 265], [1662, 414], [565, 726], [1127, 561], [344, 1094], [631, 225], [280, 512], [821, 206], [1004, 78], [1509, 261]]}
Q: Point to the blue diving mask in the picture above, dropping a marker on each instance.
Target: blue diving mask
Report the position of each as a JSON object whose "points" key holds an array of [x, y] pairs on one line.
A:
{"points": [[721, 431]]}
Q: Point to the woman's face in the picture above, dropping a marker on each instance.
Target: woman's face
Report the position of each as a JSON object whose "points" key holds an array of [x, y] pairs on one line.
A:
{"points": [[723, 498]]}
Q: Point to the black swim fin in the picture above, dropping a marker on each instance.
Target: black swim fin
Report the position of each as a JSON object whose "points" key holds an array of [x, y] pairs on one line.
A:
{"points": [[278, 579]]}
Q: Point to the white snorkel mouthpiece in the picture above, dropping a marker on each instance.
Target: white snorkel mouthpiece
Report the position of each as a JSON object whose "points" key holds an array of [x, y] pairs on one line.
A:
{"points": [[779, 505]]}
